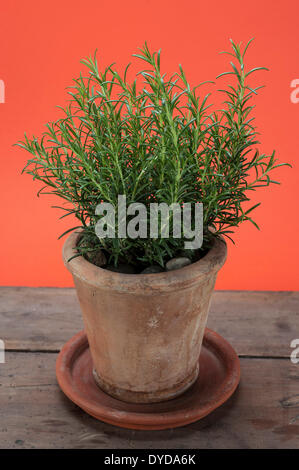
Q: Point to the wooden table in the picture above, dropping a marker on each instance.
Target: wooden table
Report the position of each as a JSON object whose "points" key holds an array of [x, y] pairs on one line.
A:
{"points": [[263, 413]]}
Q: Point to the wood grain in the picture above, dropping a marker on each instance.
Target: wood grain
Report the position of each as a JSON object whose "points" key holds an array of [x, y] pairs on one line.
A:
{"points": [[34, 413], [258, 324], [263, 413]]}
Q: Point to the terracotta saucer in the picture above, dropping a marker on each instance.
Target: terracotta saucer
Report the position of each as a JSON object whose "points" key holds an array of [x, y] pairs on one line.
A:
{"points": [[218, 378]]}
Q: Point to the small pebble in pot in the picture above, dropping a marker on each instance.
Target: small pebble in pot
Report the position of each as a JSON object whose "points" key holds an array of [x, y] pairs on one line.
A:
{"points": [[152, 269], [177, 263]]}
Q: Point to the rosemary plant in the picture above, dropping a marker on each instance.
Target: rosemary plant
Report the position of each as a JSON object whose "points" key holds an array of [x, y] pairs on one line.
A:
{"points": [[153, 140]]}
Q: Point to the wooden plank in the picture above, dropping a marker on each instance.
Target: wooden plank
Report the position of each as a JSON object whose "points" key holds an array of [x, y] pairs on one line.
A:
{"points": [[38, 318], [256, 323], [34, 413]]}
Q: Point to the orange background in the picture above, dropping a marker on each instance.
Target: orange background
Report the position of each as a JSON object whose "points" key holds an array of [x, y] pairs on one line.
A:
{"points": [[41, 45]]}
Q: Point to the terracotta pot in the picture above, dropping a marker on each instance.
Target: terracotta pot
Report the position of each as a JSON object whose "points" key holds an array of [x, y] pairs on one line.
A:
{"points": [[145, 330]]}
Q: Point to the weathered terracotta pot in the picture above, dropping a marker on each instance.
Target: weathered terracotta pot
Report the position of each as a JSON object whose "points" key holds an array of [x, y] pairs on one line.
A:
{"points": [[145, 330]]}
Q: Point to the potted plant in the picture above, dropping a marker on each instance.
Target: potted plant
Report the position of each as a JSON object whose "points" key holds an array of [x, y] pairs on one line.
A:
{"points": [[149, 141]]}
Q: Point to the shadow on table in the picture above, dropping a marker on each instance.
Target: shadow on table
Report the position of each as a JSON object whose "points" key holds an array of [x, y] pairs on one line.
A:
{"points": [[103, 435]]}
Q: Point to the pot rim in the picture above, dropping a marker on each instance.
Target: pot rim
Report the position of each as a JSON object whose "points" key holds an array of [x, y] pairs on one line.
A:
{"points": [[98, 277]]}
